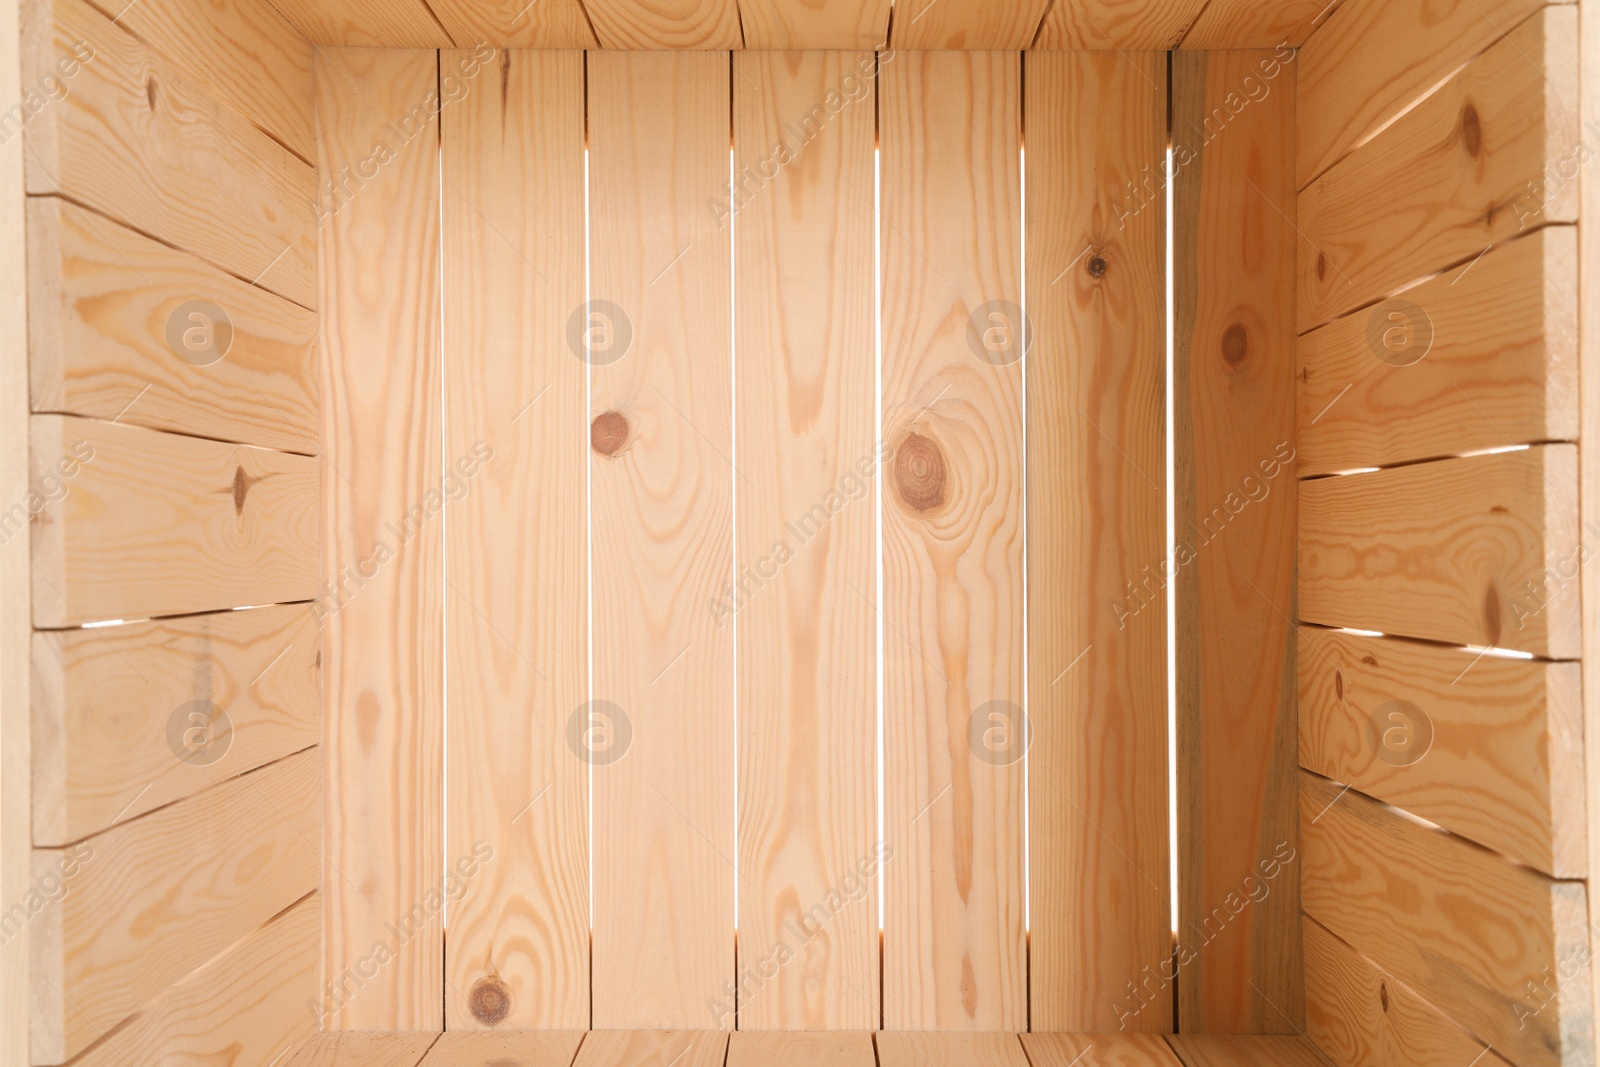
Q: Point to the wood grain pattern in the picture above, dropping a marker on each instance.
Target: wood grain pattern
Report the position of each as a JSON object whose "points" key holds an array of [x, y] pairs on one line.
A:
{"points": [[1226, 1051], [113, 732], [1589, 412], [135, 139], [382, 494], [1372, 59], [954, 953], [363, 1050], [504, 1048], [774, 1048], [247, 1005], [653, 1048], [976, 25], [661, 515], [1097, 1050], [807, 634], [514, 24], [1139, 25], [1361, 1017], [103, 303], [1229, 24], [664, 24], [148, 901], [1462, 171], [928, 1049], [513, 264], [1501, 947], [368, 23], [1490, 359], [1233, 388], [1098, 854], [1488, 748], [151, 523], [814, 24], [1478, 551]]}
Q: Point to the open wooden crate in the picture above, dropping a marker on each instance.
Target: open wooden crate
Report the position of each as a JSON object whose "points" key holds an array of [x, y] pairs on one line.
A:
{"points": [[492, 577]]}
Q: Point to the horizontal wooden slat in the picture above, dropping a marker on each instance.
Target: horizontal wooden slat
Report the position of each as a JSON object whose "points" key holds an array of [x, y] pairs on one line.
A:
{"points": [[1361, 1017], [112, 335], [140, 142], [665, 24], [1217, 1050], [1500, 947], [833, 24], [1372, 59], [1098, 1050], [1134, 25], [367, 23], [115, 732], [152, 899], [1257, 24], [355, 1049], [966, 24], [1462, 171], [246, 1006], [152, 523], [1487, 747], [653, 1048], [504, 1048], [900, 1048], [1473, 359], [1481, 550], [798, 1048]]}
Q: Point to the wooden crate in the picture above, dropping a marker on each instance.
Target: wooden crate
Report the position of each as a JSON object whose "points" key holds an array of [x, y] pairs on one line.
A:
{"points": [[742, 532]]}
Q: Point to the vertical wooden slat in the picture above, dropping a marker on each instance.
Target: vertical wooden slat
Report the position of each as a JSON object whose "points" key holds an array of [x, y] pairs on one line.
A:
{"points": [[662, 543], [1589, 434], [1233, 395], [379, 287], [514, 436], [807, 630], [1098, 858], [954, 735]]}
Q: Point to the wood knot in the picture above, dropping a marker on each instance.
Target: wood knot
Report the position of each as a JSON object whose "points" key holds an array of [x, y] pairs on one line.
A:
{"points": [[241, 488], [1383, 995], [1322, 266], [1338, 684], [1492, 617], [1472, 131], [608, 433], [490, 1001], [150, 92], [1235, 345], [919, 472], [1097, 266]]}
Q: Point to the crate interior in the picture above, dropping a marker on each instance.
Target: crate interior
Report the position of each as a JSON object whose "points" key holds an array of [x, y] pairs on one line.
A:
{"points": [[797, 531]]}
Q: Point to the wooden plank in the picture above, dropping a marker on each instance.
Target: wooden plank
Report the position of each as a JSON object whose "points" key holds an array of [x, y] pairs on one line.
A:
{"points": [[1488, 748], [653, 1048], [244, 55], [515, 411], [661, 513], [1470, 360], [126, 328], [1097, 1050], [363, 1050], [367, 23], [1373, 59], [154, 898], [130, 718], [1098, 854], [1502, 947], [1361, 1017], [753, 1048], [152, 523], [513, 24], [1226, 24], [972, 25], [1413, 200], [504, 1048], [928, 1049], [382, 496], [664, 24], [247, 1005], [140, 142], [1589, 410], [954, 949], [808, 634], [813, 24], [1233, 388], [1138, 25], [1252, 1051], [1474, 551]]}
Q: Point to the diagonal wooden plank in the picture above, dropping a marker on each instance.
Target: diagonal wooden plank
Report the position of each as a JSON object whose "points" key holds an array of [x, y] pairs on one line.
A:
{"points": [[814, 24], [791, 1048], [666, 24], [653, 1048], [370, 1049], [1127, 25], [367, 23], [1098, 1050], [512, 24], [1281, 24], [504, 1048], [968, 25], [913, 1048]]}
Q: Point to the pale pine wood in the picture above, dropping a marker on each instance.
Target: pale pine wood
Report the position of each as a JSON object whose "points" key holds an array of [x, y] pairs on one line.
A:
{"points": [[1223, 1051], [249, 1005], [154, 898], [1502, 369], [1143, 25], [139, 141], [1372, 59], [157, 524], [383, 686], [1361, 1017], [1506, 763], [100, 298], [807, 635], [954, 948], [773, 1048], [1226, 24], [661, 24], [1468, 551], [244, 54], [1491, 943], [966, 24], [1462, 171], [514, 24], [813, 24], [373, 1049], [1097, 1050], [662, 522], [504, 1048], [513, 268], [925, 1049], [653, 1048], [369, 24], [1589, 410], [1233, 385], [1098, 859], [104, 700]]}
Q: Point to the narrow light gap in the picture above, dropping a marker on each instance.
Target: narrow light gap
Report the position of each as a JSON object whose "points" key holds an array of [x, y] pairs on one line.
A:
{"points": [[1172, 558]]}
